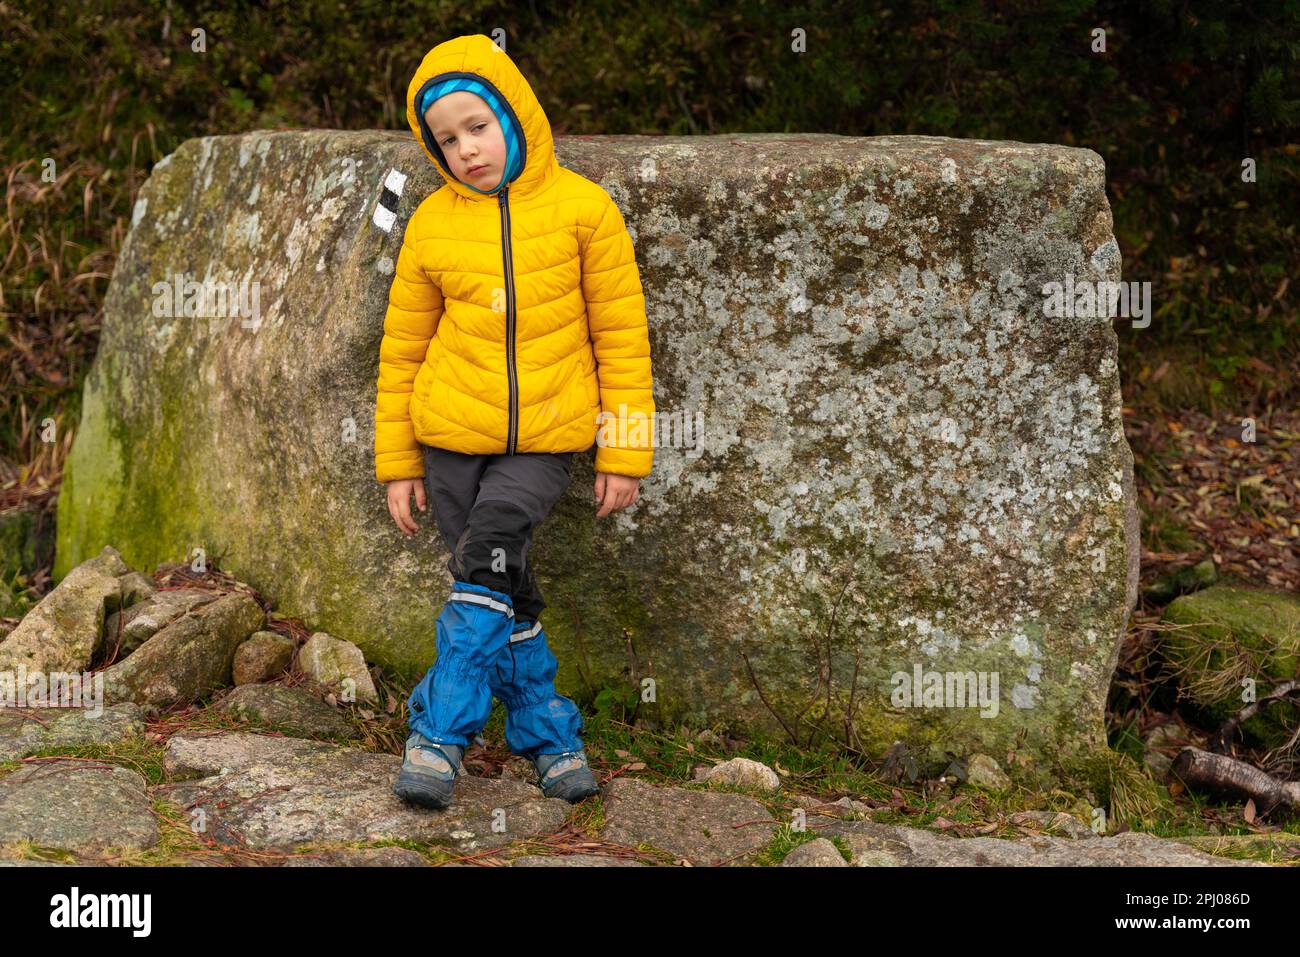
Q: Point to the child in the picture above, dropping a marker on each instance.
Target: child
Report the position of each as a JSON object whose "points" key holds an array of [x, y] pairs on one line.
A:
{"points": [[515, 328]]}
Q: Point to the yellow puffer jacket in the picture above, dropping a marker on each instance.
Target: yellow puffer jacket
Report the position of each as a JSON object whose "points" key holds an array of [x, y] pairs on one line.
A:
{"points": [[515, 318]]}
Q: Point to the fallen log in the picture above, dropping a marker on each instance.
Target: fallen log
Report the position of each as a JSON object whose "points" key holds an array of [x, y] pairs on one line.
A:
{"points": [[1227, 776]]}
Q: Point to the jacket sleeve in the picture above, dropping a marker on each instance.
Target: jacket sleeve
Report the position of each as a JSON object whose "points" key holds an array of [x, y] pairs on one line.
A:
{"points": [[620, 336], [414, 310]]}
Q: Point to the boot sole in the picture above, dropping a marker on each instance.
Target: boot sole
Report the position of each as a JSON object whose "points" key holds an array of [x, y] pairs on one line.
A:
{"points": [[422, 793], [572, 790]]}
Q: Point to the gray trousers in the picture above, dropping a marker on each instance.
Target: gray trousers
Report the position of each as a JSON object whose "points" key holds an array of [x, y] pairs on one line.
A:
{"points": [[487, 507]]}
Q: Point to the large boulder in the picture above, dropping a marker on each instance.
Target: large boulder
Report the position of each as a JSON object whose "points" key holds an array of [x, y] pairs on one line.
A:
{"points": [[879, 456], [83, 806], [891, 845], [282, 792]]}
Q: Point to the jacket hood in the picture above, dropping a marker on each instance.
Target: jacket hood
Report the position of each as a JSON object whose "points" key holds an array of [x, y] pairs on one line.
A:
{"points": [[477, 56]]}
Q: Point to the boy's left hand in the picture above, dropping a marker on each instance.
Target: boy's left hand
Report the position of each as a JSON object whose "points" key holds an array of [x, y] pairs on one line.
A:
{"points": [[615, 491]]}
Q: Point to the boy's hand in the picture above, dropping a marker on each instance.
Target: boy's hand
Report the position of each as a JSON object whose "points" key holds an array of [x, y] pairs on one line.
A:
{"points": [[399, 503], [615, 491]]}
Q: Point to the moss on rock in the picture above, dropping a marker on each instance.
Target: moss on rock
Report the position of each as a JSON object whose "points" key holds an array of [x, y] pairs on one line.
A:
{"points": [[903, 461]]}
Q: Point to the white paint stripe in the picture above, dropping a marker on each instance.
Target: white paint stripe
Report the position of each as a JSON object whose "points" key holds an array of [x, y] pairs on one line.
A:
{"points": [[384, 218], [396, 181]]}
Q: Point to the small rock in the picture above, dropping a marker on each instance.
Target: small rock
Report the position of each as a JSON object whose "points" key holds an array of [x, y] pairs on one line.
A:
{"points": [[265, 655], [187, 659], [705, 827], [66, 628], [815, 853], [108, 562], [742, 772], [25, 732], [845, 807], [330, 661], [290, 710], [983, 772], [131, 627], [136, 587], [1220, 627]]}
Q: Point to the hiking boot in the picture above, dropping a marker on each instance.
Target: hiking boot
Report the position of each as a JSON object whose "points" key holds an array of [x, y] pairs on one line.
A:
{"points": [[428, 772], [565, 775]]}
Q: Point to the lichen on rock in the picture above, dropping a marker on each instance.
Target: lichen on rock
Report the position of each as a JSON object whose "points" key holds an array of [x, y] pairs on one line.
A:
{"points": [[901, 460]]}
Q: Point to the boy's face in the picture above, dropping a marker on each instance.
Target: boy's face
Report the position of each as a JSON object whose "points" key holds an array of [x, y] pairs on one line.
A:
{"points": [[470, 137]]}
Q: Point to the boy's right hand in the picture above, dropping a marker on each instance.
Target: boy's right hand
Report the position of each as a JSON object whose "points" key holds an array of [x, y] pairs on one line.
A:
{"points": [[399, 503]]}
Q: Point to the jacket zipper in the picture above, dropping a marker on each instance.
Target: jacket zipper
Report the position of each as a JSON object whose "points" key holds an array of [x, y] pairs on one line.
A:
{"points": [[512, 424], [503, 201]]}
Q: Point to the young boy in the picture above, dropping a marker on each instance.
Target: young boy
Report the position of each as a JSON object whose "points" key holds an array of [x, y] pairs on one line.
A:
{"points": [[515, 329]]}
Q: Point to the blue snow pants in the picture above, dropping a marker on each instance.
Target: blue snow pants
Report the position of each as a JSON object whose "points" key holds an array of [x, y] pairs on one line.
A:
{"points": [[489, 639]]}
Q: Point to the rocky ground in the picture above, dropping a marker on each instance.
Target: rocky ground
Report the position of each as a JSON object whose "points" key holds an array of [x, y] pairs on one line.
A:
{"points": [[226, 738], [247, 798]]}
